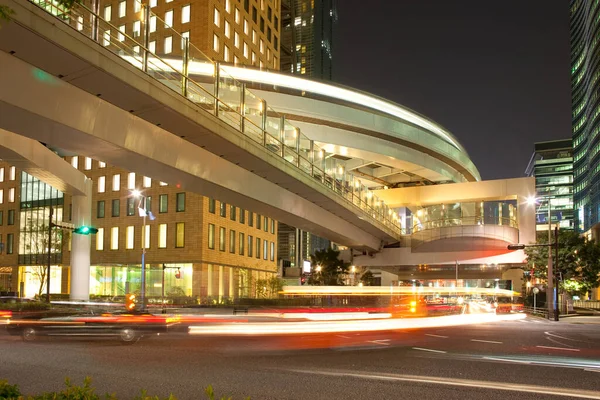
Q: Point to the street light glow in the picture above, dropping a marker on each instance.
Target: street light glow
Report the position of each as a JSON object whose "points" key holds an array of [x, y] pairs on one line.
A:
{"points": [[531, 200], [136, 193]]}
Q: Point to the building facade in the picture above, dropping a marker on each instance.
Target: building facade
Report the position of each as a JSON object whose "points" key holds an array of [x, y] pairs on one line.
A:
{"points": [[195, 246], [585, 71], [244, 32], [552, 167], [307, 37]]}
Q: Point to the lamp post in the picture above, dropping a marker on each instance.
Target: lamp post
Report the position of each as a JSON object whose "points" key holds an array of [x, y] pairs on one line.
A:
{"points": [[137, 194]]}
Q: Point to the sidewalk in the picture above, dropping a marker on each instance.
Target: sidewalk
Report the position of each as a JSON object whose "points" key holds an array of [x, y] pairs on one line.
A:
{"points": [[580, 319]]}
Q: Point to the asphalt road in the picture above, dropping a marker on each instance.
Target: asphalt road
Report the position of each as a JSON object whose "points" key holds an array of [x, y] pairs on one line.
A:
{"points": [[526, 359]]}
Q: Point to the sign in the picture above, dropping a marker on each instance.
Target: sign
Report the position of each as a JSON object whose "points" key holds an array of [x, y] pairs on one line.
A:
{"points": [[535, 290], [306, 267]]}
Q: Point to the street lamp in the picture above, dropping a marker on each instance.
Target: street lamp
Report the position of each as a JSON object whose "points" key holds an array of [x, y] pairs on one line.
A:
{"points": [[138, 195]]}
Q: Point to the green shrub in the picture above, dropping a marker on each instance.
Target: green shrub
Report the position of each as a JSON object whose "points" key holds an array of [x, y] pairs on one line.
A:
{"points": [[85, 392]]}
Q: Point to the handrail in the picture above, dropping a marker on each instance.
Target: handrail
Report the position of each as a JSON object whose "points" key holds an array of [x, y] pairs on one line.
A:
{"points": [[347, 186]]}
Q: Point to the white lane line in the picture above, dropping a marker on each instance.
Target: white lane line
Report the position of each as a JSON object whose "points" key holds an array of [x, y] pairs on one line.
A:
{"points": [[561, 337], [592, 369], [344, 337], [507, 360], [431, 350], [513, 387], [486, 341], [560, 343], [440, 336], [557, 348], [380, 342]]}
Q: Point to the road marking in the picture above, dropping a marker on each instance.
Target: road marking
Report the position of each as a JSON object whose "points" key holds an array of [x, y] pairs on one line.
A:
{"points": [[560, 343], [592, 369], [486, 341], [561, 337], [557, 348], [513, 387], [507, 360], [344, 337], [431, 350], [440, 336], [380, 341]]}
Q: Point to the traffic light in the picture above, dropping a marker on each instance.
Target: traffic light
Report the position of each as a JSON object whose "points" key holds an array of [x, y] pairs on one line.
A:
{"points": [[130, 302], [85, 230], [303, 280], [177, 274]]}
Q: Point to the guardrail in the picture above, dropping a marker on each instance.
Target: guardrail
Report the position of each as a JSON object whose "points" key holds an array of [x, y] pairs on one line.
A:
{"points": [[537, 311], [591, 304], [174, 63]]}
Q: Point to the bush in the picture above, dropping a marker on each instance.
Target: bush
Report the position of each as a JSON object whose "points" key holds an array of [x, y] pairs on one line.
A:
{"points": [[85, 392]]}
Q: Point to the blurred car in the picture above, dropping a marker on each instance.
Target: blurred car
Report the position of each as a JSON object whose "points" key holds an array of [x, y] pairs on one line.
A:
{"points": [[127, 326]]}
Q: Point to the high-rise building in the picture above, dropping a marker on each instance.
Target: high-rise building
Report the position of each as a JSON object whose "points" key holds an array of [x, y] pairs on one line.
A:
{"points": [[552, 166], [585, 87], [296, 245], [307, 37], [245, 32]]}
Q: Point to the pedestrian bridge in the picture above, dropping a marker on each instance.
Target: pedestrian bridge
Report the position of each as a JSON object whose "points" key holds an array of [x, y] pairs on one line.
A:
{"points": [[76, 82]]}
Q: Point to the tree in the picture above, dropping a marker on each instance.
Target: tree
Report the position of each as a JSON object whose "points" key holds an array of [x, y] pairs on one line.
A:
{"points": [[330, 270], [7, 12], [367, 279], [578, 262], [35, 240]]}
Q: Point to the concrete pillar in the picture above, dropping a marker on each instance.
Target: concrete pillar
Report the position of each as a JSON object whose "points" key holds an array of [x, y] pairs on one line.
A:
{"points": [[80, 246]]}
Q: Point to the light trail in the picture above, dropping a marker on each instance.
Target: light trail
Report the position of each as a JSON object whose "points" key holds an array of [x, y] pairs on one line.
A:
{"points": [[299, 327]]}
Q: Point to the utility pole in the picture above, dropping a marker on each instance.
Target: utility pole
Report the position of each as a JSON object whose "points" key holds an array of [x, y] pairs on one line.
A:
{"points": [[50, 226], [556, 269], [550, 287]]}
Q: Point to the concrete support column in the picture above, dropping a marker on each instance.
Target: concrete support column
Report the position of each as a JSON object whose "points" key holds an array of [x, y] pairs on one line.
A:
{"points": [[80, 246]]}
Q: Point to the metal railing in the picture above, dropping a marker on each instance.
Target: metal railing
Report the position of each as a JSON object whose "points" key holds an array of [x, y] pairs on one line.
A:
{"points": [[151, 45]]}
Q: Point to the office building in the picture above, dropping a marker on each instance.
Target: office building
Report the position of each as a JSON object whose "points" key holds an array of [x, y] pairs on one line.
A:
{"points": [[551, 165], [307, 37]]}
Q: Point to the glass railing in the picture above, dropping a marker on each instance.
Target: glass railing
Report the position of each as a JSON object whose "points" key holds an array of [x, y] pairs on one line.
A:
{"points": [[498, 213], [148, 43]]}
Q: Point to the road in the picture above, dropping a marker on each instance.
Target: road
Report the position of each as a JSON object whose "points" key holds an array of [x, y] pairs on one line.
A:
{"points": [[525, 359]]}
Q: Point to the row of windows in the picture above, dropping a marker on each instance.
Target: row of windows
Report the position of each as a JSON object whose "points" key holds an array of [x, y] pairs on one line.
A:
{"points": [[241, 249], [122, 12], [10, 219], [145, 241], [12, 175], [260, 220], [116, 182], [10, 239], [11, 195], [163, 205]]}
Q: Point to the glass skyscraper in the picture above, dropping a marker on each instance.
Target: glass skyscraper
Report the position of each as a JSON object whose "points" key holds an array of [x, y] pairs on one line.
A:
{"points": [[585, 71]]}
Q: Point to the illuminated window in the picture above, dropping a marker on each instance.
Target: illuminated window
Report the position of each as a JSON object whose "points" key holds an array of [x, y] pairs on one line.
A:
{"points": [[246, 28], [169, 19], [236, 60], [114, 238], [216, 43], [162, 236], [107, 13], [180, 235], [226, 54], [153, 3], [227, 29], [116, 182], [272, 251], [101, 164], [129, 232], [185, 14], [223, 209], [146, 237], [100, 239], [137, 27], [1, 196], [152, 23], [147, 182], [250, 243], [265, 250], [254, 36], [106, 38], [228, 6], [241, 247], [75, 162], [11, 195], [232, 241], [217, 17], [101, 184], [2, 174], [131, 180], [253, 58], [122, 9], [211, 236], [152, 46], [262, 46], [236, 39], [137, 6], [121, 36], [163, 184], [87, 164], [237, 16], [245, 50], [168, 44], [221, 238]]}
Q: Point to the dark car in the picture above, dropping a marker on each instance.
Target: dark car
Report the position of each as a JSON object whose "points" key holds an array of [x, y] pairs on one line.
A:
{"points": [[128, 327]]}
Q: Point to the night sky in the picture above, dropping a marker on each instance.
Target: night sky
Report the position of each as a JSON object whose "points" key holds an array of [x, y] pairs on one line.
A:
{"points": [[494, 73]]}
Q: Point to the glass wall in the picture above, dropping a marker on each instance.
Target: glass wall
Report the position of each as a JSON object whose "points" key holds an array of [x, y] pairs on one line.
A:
{"points": [[470, 213]]}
